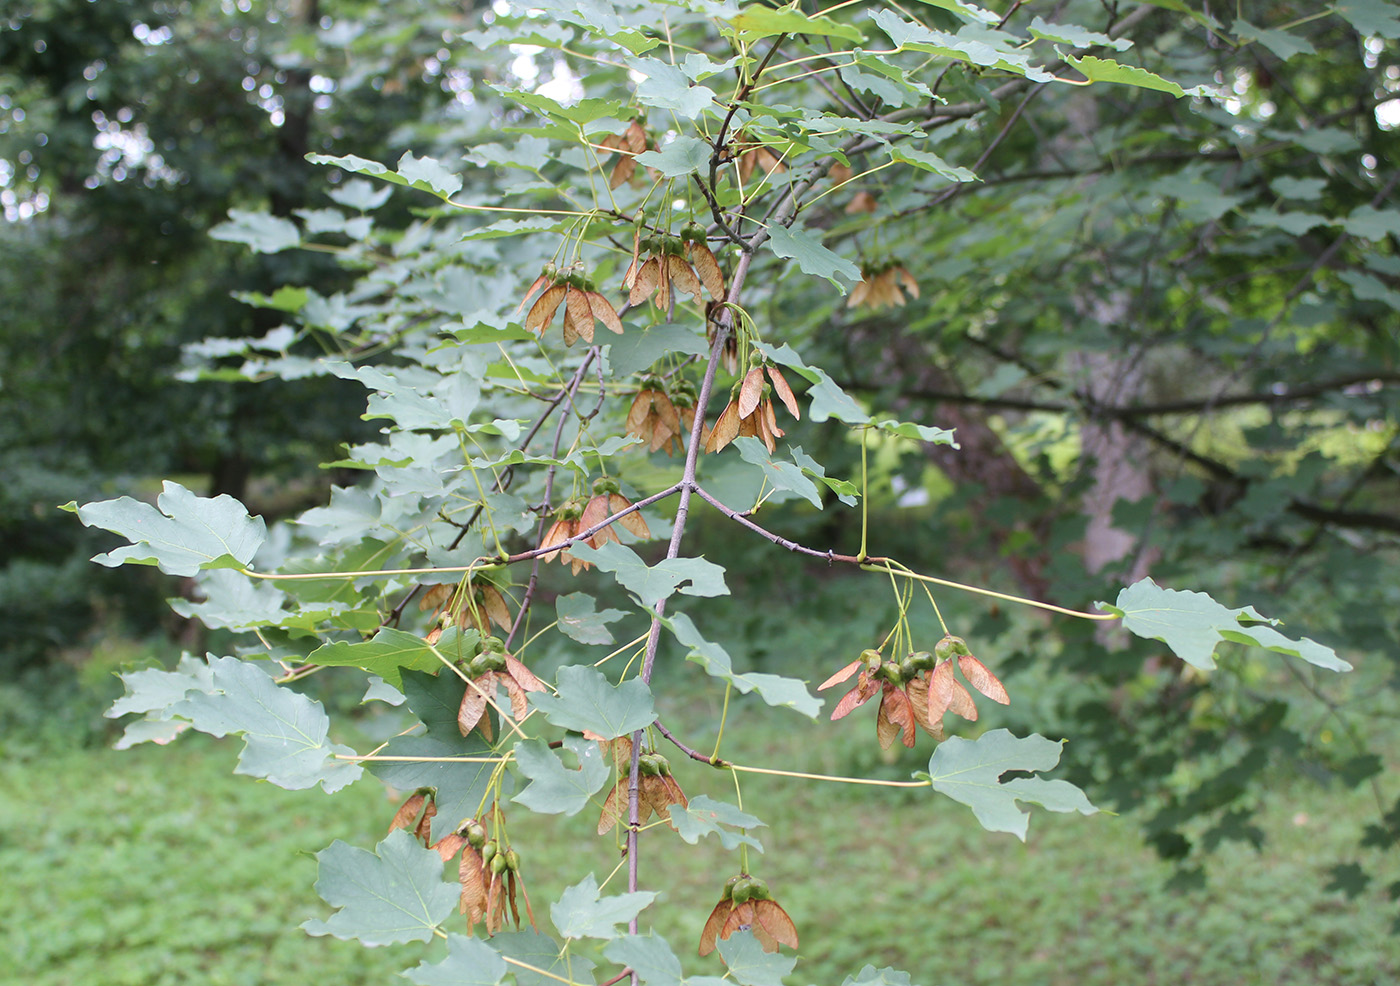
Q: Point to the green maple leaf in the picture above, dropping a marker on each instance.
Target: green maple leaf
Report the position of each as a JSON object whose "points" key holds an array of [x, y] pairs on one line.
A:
{"points": [[666, 87], [391, 651], [750, 965], [555, 789], [459, 787], [706, 816], [773, 689], [261, 231], [1192, 624], [469, 962], [681, 157], [284, 732], [394, 894], [969, 772], [530, 948], [580, 620], [1371, 17], [580, 912], [588, 702], [870, 976], [758, 21], [649, 956], [811, 256], [187, 533], [653, 583]]}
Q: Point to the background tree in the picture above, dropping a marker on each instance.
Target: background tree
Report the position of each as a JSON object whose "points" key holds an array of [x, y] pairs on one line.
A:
{"points": [[1211, 200]]}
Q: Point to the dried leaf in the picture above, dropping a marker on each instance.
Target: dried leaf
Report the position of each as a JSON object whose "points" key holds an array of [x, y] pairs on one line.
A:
{"points": [[408, 811], [773, 919], [983, 680], [579, 310], [726, 428], [945, 690], [863, 692], [861, 202], [707, 267], [841, 675], [495, 605], [632, 522], [542, 312], [896, 715], [523, 676], [713, 925], [614, 807], [683, 277], [644, 282], [472, 876], [784, 392], [474, 701], [604, 312], [750, 392]]}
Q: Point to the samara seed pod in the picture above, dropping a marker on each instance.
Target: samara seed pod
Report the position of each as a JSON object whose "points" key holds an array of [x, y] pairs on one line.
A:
{"points": [[759, 890], [490, 850], [945, 649], [479, 665], [872, 659], [496, 644], [498, 864], [512, 860], [475, 833], [742, 890], [921, 660], [908, 668], [495, 660], [729, 887], [648, 766]]}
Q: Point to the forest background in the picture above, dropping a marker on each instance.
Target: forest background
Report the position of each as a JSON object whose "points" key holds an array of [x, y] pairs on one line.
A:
{"points": [[1158, 312]]}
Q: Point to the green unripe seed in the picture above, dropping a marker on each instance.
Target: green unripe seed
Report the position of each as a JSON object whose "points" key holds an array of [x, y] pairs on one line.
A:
{"points": [[476, 834], [498, 864], [489, 850], [512, 859], [479, 665]]}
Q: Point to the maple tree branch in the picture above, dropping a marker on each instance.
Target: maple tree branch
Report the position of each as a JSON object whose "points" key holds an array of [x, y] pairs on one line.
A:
{"points": [[692, 754]]}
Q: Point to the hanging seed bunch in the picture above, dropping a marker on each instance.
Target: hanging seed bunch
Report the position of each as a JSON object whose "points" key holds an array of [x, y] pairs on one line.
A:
{"points": [[662, 416], [747, 904], [750, 409], [918, 690], [491, 667], [578, 296], [880, 286]]}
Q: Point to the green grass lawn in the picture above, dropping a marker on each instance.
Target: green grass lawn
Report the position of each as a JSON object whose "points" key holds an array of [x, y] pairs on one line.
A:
{"points": [[158, 866]]}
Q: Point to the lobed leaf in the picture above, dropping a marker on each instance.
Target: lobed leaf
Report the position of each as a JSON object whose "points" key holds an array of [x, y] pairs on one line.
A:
{"points": [[555, 789], [181, 534], [969, 772], [581, 912], [1192, 624], [394, 894], [588, 703]]}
